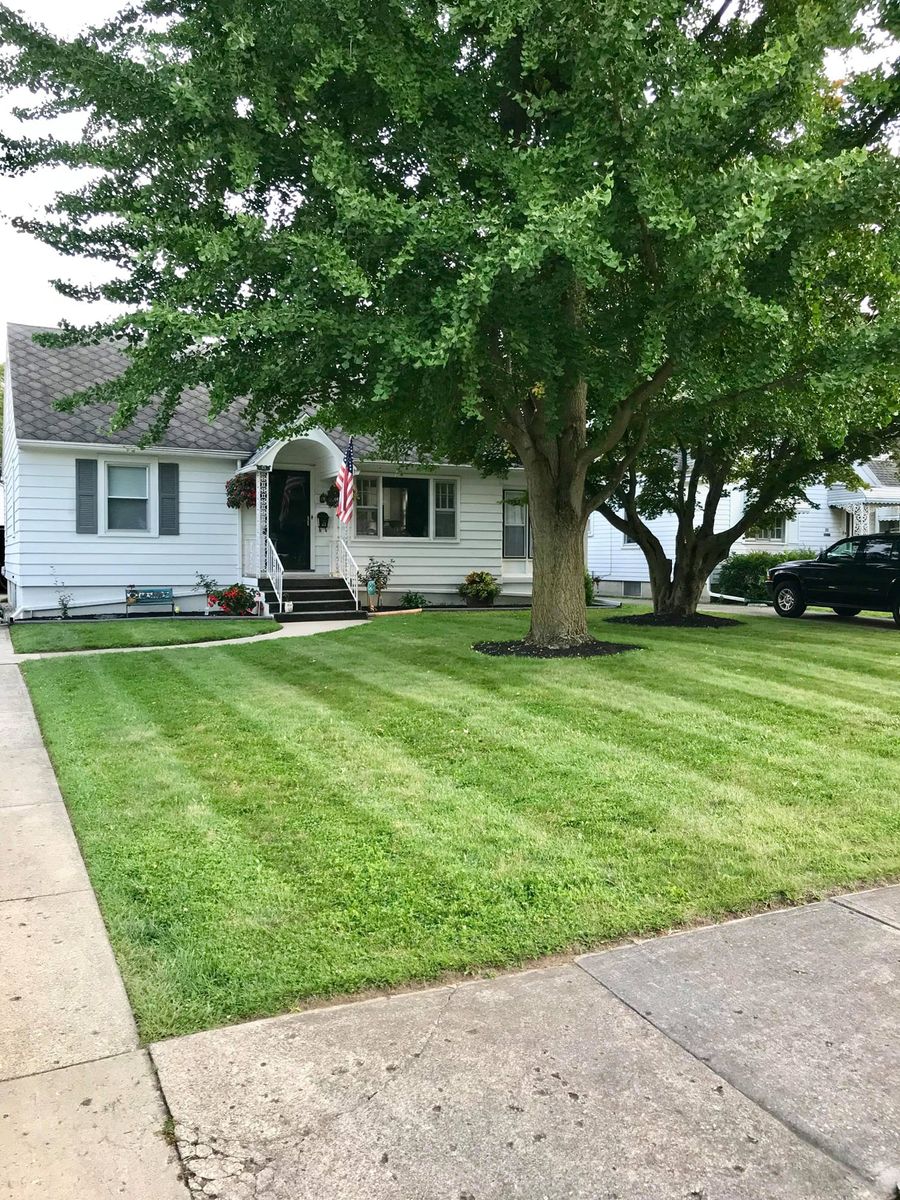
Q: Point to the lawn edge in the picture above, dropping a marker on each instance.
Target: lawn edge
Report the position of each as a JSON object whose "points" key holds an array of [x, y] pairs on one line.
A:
{"points": [[568, 956], [33, 654]]}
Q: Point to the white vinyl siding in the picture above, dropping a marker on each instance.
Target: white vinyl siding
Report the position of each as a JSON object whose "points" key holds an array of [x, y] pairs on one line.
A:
{"points": [[96, 567]]}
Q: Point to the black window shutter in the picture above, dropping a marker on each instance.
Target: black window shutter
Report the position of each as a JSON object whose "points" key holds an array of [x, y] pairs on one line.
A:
{"points": [[85, 495], [168, 499]]}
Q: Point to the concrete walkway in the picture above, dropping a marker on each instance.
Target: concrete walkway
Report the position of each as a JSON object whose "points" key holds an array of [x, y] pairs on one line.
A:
{"points": [[81, 1114], [292, 630], [754, 1060]]}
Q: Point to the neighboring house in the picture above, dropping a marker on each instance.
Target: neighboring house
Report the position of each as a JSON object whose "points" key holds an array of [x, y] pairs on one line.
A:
{"points": [[2, 536], [90, 512], [827, 514]]}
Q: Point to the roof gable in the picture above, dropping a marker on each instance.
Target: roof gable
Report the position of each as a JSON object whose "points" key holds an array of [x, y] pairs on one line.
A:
{"points": [[40, 376], [886, 472]]}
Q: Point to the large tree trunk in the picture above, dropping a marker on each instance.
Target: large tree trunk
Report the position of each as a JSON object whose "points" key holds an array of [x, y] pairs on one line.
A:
{"points": [[559, 611], [679, 595]]}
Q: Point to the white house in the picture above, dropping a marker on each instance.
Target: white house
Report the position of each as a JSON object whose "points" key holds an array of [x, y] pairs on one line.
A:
{"points": [[826, 514], [91, 512]]}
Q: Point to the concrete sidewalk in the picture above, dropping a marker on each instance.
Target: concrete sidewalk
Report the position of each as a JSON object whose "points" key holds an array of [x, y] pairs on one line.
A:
{"points": [[754, 1060], [292, 630], [81, 1114]]}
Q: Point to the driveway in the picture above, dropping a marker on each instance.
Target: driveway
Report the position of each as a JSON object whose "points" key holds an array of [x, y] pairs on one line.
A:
{"points": [[754, 1060]]}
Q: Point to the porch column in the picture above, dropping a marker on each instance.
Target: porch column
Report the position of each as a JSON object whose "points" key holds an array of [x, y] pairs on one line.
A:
{"points": [[262, 519]]}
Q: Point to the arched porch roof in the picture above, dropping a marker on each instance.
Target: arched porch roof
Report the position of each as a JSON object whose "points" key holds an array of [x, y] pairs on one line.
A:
{"points": [[266, 454]]}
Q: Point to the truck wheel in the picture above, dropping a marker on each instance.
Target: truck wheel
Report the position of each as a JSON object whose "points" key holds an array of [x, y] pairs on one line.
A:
{"points": [[847, 612], [789, 600]]}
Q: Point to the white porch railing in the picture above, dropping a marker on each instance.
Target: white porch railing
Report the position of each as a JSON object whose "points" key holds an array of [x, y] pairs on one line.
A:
{"points": [[345, 565], [274, 569]]}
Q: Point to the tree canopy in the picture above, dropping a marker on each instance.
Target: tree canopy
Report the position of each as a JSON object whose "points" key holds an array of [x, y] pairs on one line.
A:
{"points": [[493, 231]]}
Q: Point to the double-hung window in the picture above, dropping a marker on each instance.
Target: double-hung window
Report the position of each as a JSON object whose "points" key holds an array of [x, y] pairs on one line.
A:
{"points": [[127, 497], [516, 527], [406, 506], [767, 533], [445, 508], [366, 506]]}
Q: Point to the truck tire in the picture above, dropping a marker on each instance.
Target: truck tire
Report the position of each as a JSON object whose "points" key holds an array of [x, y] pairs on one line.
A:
{"points": [[789, 600]]}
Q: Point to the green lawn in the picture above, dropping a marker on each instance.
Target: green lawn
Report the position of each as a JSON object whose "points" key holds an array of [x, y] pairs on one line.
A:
{"points": [[271, 822], [102, 635]]}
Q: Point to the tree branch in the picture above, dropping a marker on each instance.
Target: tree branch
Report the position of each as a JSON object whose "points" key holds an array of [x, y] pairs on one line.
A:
{"points": [[594, 502], [625, 413]]}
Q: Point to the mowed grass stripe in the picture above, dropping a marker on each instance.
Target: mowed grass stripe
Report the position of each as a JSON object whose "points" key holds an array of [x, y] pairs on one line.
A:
{"points": [[46, 637], [267, 823]]}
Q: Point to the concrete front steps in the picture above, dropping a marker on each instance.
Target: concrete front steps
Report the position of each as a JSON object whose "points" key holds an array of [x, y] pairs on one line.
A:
{"points": [[313, 598]]}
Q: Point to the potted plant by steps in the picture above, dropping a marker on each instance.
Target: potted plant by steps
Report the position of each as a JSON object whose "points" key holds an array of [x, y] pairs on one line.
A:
{"points": [[479, 589], [376, 573]]}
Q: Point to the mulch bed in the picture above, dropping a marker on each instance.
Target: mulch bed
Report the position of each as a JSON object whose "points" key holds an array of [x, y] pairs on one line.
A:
{"points": [[697, 621], [521, 649]]}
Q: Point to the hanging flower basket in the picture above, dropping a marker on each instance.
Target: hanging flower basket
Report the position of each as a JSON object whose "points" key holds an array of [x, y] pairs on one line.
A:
{"points": [[240, 491]]}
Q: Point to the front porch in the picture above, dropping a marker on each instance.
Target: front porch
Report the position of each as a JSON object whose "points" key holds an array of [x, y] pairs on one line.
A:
{"points": [[872, 514], [291, 543]]}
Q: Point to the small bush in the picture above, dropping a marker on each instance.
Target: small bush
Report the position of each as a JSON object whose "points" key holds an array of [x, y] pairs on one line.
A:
{"points": [[236, 600], [588, 588], [379, 572], [745, 574], [412, 600], [479, 585]]}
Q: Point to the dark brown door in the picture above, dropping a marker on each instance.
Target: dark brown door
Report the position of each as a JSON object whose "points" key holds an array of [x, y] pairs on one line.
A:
{"points": [[289, 518]]}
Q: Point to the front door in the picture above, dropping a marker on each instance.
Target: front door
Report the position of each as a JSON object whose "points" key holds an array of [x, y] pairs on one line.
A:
{"points": [[289, 518]]}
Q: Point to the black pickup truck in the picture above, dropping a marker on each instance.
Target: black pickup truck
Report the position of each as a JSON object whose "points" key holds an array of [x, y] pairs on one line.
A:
{"points": [[854, 574]]}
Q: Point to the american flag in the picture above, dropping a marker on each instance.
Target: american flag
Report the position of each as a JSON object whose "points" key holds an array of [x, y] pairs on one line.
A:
{"points": [[345, 486]]}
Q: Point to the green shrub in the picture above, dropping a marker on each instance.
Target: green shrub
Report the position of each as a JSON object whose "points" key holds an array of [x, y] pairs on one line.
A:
{"points": [[379, 572], [745, 574], [412, 600], [588, 588], [479, 585]]}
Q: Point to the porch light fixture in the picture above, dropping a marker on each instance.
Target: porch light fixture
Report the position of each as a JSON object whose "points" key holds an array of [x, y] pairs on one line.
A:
{"points": [[322, 519]]}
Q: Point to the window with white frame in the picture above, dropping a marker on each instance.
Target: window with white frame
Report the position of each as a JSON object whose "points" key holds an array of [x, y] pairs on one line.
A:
{"points": [[393, 506], [445, 508], [767, 533], [366, 506], [628, 540], [404, 507], [127, 497], [516, 526]]}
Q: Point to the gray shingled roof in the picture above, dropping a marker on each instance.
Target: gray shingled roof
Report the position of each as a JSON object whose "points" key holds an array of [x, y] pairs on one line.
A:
{"points": [[41, 376], [886, 471]]}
